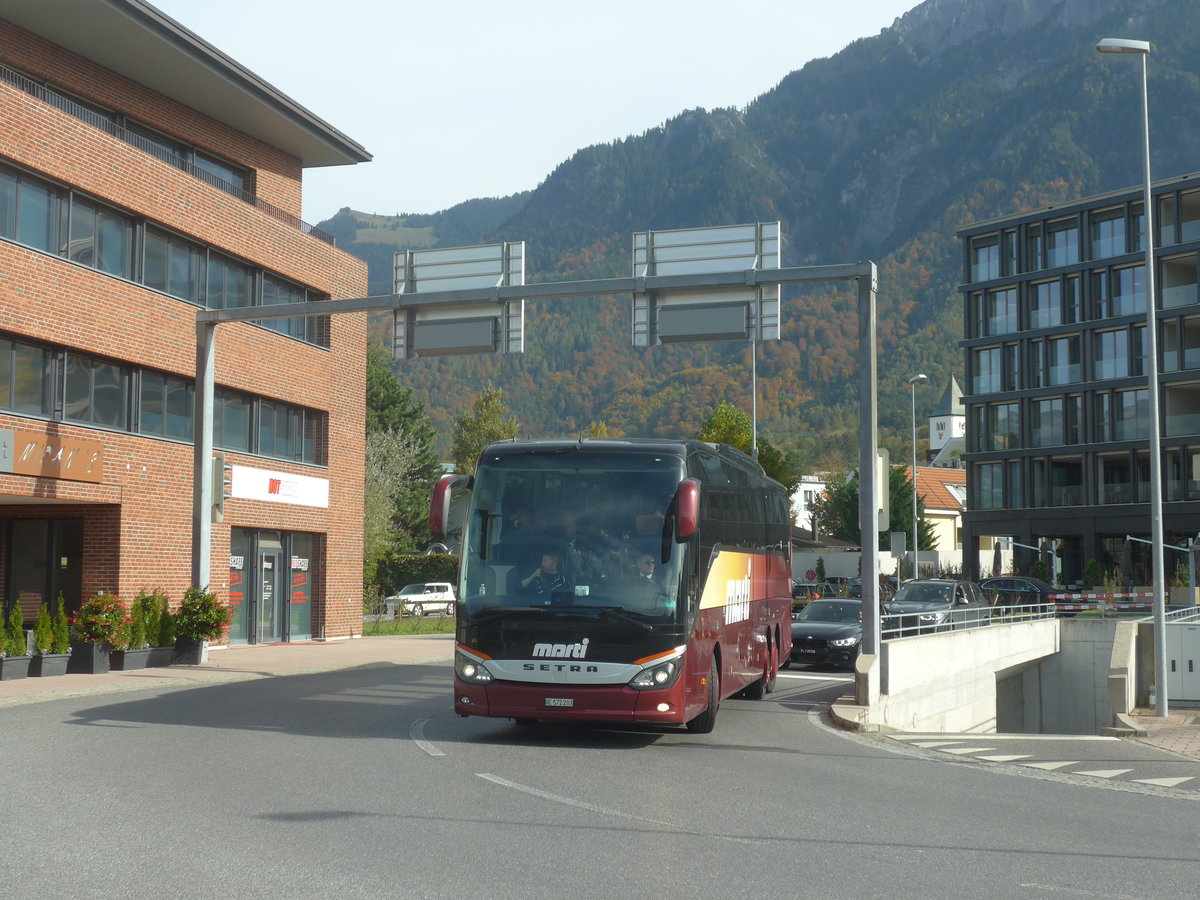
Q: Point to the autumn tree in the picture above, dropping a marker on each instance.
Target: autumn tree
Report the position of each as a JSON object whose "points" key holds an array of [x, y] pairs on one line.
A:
{"points": [[487, 421]]}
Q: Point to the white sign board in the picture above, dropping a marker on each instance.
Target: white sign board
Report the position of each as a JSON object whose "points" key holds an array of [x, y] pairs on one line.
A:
{"points": [[457, 328], [279, 487], [722, 313]]}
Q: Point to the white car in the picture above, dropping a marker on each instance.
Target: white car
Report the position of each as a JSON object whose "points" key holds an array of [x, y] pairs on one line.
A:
{"points": [[423, 599]]}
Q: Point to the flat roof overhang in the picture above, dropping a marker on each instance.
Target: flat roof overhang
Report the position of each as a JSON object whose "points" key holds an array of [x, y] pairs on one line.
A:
{"points": [[136, 40]]}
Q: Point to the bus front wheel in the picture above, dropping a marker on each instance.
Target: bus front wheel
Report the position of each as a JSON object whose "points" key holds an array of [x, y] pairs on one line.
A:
{"points": [[703, 723]]}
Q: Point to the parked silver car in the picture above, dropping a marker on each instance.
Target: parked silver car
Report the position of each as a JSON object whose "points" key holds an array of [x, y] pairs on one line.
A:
{"points": [[423, 599]]}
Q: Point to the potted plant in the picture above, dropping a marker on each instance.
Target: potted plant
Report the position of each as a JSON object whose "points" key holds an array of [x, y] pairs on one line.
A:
{"points": [[101, 623], [155, 611], [201, 618], [14, 648], [50, 651], [135, 650]]}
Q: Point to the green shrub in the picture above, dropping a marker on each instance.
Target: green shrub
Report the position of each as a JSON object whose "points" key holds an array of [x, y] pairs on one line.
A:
{"points": [[14, 632], [1091, 575], [62, 629], [103, 620], [201, 616], [43, 631], [147, 610], [166, 623]]}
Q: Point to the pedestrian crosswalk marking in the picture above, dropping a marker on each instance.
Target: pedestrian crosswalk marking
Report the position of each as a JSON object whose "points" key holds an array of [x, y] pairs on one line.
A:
{"points": [[961, 750], [1164, 782], [1104, 773]]}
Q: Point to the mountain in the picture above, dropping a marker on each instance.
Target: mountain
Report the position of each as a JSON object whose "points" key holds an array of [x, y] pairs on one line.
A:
{"points": [[962, 110]]}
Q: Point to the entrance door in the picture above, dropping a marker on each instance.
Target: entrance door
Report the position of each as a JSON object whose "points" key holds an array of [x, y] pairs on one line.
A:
{"points": [[272, 592]]}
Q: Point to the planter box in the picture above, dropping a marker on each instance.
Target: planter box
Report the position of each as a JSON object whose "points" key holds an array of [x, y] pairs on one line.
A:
{"points": [[189, 652], [14, 667], [46, 664], [159, 657], [88, 658], [126, 660]]}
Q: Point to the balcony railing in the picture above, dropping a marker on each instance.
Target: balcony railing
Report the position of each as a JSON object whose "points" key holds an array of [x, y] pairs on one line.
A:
{"points": [[104, 123]]}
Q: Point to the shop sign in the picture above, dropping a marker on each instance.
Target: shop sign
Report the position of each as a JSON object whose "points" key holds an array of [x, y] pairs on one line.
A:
{"points": [[279, 487], [26, 453]]}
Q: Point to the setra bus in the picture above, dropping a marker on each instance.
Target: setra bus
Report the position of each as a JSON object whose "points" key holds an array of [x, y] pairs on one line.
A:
{"points": [[616, 580]]}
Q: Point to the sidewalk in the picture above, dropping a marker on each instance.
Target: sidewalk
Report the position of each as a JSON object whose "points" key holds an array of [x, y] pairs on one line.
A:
{"points": [[1178, 731], [240, 663]]}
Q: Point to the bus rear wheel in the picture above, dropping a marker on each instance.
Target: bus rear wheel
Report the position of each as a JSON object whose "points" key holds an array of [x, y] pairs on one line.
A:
{"points": [[703, 723]]}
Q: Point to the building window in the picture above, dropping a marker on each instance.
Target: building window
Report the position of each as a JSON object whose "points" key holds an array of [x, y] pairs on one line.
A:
{"points": [[231, 420], [95, 392], [173, 265], [990, 480], [25, 378], [1000, 312], [1181, 343], [1179, 281], [985, 258], [1132, 415], [1046, 429], [275, 291], [1115, 478], [1045, 304], [1062, 360], [1011, 372], [1073, 420], [1062, 243], [1110, 354], [1033, 248], [229, 283], [1189, 216], [1066, 482], [39, 215], [165, 406], [101, 239], [1107, 233], [985, 367], [1129, 291], [1181, 405], [1102, 417], [1004, 426]]}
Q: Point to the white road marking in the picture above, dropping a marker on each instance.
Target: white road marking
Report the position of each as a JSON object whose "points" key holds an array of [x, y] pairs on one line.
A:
{"points": [[841, 679], [1005, 758], [417, 733], [1104, 773], [1051, 766], [929, 745], [960, 750], [993, 736], [1164, 782], [579, 804]]}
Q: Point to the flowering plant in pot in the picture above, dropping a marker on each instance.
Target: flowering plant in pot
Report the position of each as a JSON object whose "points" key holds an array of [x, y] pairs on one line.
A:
{"points": [[153, 609], [51, 642], [133, 652], [101, 624], [201, 618], [14, 651]]}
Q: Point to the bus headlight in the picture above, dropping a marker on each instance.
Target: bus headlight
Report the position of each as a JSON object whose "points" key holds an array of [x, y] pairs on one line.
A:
{"points": [[662, 675], [471, 671]]}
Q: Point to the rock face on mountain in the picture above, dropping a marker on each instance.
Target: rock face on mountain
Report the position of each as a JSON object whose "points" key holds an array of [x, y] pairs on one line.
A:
{"points": [[961, 110]]}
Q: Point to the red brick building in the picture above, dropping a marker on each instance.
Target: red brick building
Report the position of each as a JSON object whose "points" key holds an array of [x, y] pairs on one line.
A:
{"points": [[144, 175]]}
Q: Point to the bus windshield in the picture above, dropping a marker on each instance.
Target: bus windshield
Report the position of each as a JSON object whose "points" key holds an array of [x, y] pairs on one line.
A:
{"points": [[571, 533]]}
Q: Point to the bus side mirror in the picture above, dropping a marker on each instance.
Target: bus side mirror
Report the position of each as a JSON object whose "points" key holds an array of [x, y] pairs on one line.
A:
{"points": [[439, 504], [687, 509]]}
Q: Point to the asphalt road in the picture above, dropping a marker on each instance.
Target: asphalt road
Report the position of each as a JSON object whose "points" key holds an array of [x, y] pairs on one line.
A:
{"points": [[363, 783]]}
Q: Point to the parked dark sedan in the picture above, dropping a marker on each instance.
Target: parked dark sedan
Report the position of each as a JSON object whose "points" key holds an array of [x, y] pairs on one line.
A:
{"points": [[1016, 590], [827, 631], [925, 605]]}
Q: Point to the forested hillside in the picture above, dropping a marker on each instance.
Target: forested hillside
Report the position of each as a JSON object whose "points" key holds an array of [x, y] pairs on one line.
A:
{"points": [[964, 110]]}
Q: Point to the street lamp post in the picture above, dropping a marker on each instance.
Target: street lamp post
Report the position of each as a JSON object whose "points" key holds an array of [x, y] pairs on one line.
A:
{"points": [[1142, 49], [912, 384]]}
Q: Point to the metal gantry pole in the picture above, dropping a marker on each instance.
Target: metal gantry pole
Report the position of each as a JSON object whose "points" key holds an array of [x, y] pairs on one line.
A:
{"points": [[868, 479], [202, 451]]}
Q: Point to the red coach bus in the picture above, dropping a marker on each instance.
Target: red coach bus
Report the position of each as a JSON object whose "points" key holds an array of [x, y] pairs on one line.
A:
{"points": [[617, 581]]}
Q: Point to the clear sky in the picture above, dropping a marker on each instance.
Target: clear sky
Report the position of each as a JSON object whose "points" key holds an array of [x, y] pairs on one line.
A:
{"points": [[479, 98]]}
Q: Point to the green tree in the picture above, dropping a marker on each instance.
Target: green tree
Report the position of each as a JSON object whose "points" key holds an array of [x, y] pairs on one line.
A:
{"points": [[836, 513], [401, 466], [729, 425], [487, 421]]}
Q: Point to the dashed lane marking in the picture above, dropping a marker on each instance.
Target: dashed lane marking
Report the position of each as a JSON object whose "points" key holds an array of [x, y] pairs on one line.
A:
{"points": [[417, 733], [959, 751], [1051, 766], [1010, 758], [1164, 782], [1104, 773]]}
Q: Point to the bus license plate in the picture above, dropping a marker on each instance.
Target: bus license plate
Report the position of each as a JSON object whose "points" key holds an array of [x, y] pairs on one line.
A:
{"points": [[560, 701]]}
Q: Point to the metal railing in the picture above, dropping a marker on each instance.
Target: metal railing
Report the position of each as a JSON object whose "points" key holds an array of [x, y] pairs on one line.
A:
{"points": [[106, 124], [896, 626]]}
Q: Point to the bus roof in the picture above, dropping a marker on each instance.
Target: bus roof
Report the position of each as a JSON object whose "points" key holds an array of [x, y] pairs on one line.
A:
{"points": [[637, 446]]}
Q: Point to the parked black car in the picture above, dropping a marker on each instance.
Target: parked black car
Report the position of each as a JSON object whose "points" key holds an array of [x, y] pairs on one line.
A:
{"points": [[827, 631], [1016, 590], [925, 605]]}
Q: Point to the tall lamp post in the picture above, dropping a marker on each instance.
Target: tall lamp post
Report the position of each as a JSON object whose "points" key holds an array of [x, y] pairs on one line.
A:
{"points": [[912, 384], [1142, 49]]}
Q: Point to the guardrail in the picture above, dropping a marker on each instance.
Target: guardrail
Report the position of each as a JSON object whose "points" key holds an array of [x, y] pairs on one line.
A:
{"points": [[1107, 601], [897, 626]]}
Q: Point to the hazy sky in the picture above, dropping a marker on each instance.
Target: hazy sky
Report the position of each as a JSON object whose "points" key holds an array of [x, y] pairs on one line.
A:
{"points": [[479, 98]]}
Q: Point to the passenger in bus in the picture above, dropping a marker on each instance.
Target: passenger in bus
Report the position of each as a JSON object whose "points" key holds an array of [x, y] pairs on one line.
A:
{"points": [[547, 578]]}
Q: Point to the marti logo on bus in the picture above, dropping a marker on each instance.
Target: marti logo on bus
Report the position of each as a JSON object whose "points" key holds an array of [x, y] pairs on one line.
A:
{"points": [[562, 651], [737, 598]]}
